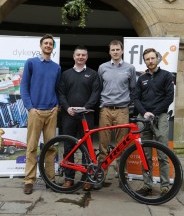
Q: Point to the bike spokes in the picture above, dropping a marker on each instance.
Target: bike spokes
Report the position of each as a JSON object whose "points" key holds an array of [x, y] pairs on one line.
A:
{"points": [[53, 169], [160, 183]]}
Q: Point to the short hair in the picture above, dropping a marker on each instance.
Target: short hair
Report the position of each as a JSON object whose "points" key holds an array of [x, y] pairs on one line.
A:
{"points": [[81, 47], [116, 42], [46, 36], [146, 51]]}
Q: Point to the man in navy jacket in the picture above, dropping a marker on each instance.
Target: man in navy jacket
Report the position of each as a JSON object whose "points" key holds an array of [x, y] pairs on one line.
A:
{"points": [[154, 94]]}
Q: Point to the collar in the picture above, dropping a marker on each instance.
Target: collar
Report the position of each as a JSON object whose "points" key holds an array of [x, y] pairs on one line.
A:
{"points": [[158, 69], [42, 59], [120, 63], [79, 70]]}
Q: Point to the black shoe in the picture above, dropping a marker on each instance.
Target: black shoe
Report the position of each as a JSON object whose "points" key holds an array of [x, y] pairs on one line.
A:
{"points": [[145, 191]]}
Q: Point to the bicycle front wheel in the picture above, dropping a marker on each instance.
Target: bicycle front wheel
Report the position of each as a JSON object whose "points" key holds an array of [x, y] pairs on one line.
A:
{"points": [[51, 170], [163, 179]]}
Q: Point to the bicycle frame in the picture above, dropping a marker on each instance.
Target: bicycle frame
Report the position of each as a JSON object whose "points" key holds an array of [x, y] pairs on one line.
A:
{"points": [[132, 136]]}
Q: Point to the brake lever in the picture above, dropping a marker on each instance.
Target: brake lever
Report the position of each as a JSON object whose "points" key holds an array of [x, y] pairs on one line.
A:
{"points": [[153, 122]]}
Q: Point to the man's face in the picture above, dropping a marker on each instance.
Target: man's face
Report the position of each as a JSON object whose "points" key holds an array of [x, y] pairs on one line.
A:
{"points": [[80, 56], [151, 61], [115, 52], [47, 46]]}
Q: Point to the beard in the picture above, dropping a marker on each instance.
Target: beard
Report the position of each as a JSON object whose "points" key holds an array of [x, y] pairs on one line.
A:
{"points": [[152, 66]]}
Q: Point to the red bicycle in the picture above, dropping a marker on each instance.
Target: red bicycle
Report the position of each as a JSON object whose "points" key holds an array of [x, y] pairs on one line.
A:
{"points": [[133, 162]]}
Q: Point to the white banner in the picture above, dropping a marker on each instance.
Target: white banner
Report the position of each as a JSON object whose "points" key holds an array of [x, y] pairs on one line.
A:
{"points": [[168, 48], [15, 50], [23, 47]]}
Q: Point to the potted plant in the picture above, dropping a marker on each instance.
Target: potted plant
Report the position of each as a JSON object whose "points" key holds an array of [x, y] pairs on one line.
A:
{"points": [[74, 10]]}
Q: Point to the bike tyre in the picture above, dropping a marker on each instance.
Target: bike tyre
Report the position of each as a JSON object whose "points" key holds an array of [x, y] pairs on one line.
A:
{"points": [[57, 142], [125, 181]]}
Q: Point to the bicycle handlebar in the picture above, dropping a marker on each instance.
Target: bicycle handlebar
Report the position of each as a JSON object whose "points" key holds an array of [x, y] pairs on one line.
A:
{"points": [[147, 123]]}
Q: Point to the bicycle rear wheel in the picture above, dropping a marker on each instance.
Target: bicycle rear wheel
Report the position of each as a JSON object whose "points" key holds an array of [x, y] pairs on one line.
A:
{"points": [[49, 164], [131, 173]]}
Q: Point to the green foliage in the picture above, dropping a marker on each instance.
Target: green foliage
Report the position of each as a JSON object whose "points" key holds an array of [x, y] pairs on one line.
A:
{"points": [[75, 10]]}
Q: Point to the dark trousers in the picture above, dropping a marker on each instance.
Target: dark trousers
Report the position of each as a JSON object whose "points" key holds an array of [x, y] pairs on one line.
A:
{"points": [[72, 125]]}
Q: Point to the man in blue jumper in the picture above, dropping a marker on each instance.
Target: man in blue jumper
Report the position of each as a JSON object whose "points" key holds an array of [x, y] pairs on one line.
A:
{"points": [[38, 91]]}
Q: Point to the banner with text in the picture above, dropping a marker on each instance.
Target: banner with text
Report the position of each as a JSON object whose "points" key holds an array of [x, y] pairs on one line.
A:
{"points": [[168, 49], [15, 50]]}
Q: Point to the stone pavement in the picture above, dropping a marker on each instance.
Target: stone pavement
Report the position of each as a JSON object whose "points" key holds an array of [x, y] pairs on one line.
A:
{"points": [[108, 201]]}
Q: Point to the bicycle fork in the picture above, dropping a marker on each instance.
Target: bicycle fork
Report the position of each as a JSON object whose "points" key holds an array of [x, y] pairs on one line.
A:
{"points": [[142, 154]]}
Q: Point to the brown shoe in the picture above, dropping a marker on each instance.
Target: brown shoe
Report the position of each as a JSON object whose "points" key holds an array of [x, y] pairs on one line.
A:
{"points": [[67, 184], [28, 188], [87, 186]]}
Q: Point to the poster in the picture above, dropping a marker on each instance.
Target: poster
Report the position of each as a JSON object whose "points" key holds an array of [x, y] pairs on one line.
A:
{"points": [[168, 49], [15, 50]]}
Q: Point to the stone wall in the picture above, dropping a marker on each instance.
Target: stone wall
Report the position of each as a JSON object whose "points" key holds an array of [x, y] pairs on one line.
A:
{"points": [[171, 17]]}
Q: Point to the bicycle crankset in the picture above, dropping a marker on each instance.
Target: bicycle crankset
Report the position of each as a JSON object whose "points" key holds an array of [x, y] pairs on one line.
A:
{"points": [[95, 174]]}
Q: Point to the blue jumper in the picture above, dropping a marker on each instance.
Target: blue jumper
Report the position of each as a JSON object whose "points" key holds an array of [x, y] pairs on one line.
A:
{"points": [[39, 83]]}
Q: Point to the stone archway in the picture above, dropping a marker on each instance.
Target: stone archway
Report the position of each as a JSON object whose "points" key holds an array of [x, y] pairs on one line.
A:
{"points": [[139, 13], [142, 17], [7, 6]]}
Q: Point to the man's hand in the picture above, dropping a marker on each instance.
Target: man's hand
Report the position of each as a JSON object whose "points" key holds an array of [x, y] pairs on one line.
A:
{"points": [[71, 111], [148, 115]]}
